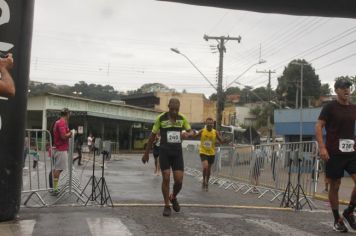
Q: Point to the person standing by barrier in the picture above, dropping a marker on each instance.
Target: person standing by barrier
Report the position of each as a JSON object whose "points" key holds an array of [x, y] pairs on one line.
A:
{"points": [[155, 148], [61, 135], [208, 137], [258, 156], [170, 125], [338, 118], [90, 140]]}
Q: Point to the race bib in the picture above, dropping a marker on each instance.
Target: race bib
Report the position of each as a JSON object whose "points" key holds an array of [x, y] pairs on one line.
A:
{"points": [[207, 144], [173, 137], [346, 145]]}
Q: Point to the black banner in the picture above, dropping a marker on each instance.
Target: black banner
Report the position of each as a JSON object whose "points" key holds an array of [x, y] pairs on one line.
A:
{"points": [[16, 19]]}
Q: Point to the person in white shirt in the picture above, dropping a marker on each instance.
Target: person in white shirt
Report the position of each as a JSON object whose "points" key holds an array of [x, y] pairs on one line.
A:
{"points": [[90, 142]]}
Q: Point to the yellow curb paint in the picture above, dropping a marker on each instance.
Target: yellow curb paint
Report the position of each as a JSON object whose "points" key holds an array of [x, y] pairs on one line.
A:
{"points": [[203, 206], [325, 198]]}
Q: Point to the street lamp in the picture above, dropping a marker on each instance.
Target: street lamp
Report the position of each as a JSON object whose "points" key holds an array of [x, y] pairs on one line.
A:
{"points": [[178, 52], [218, 91]]}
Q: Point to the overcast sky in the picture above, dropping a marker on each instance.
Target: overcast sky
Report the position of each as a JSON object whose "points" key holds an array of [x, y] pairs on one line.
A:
{"points": [[126, 43]]}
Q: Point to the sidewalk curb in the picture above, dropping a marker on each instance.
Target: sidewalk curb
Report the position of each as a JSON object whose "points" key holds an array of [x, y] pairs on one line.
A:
{"points": [[326, 199]]}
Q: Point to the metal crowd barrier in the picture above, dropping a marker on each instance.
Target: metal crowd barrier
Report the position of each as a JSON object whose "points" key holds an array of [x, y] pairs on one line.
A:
{"points": [[37, 166], [69, 182], [262, 169], [37, 180]]}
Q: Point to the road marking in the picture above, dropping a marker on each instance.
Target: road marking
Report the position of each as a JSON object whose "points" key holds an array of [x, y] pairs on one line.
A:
{"points": [[107, 227], [217, 215], [22, 227], [202, 206], [279, 228]]}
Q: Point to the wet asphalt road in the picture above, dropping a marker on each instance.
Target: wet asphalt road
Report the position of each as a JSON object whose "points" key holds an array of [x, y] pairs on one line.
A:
{"points": [[137, 210]]}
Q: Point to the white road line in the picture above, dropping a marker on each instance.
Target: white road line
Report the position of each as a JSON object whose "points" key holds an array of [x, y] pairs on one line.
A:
{"points": [[22, 227], [107, 227], [279, 228]]}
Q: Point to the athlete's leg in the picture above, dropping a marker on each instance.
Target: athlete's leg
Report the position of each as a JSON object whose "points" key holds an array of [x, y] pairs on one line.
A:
{"points": [[165, 185], [178, 182], [210, 163], [205, 167], [334, 196]]}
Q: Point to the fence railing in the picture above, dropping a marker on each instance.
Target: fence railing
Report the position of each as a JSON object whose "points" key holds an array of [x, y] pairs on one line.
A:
{"points": [[266, 168], [37, 180], [37, 165]]}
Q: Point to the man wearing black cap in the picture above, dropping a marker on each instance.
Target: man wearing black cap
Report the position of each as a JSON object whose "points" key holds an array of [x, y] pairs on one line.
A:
{"points": [[338, 118], [61, 137]]}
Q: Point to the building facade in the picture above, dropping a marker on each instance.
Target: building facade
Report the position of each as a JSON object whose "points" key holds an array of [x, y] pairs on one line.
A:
{"points": [[124, 124]]}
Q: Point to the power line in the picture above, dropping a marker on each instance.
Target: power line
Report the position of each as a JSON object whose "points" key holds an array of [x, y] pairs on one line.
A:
{"points": [[333, 50], [337, 61]]}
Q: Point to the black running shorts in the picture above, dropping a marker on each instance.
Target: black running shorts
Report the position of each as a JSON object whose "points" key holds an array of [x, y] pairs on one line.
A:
{"points": [[208, 158], [155, 152], [171, 158], [337, 164]]}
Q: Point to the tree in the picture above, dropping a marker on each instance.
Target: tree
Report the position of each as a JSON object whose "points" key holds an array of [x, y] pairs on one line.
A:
{"points": [[151, 87], [289, 83], [261, 114], [325, 90], [91, 91]]}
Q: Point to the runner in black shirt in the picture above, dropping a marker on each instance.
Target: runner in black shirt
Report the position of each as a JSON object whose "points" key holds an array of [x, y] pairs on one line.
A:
{"points": [[338, 118]]}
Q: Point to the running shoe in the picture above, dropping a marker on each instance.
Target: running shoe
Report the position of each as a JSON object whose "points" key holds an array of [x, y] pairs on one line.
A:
{"points": [[350, 219], [175, 204], [339, 226], [55, 192], [167, 211]]}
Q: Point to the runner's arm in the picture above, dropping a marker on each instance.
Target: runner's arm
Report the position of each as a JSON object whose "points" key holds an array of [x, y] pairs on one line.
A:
{"points": [[219, 138], [196, 134], [320, 124]]}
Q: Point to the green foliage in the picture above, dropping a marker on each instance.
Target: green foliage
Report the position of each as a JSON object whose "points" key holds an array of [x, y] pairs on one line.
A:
{"points": [[289, 83], [213, 97], [261, 114], [325, 90], [232, 90], [90, 91], [151, 87]]}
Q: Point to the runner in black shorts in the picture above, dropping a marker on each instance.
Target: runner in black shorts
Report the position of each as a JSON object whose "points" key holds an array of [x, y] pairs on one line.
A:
{"points": [[170, 125], [208, 137], [338, 118]]}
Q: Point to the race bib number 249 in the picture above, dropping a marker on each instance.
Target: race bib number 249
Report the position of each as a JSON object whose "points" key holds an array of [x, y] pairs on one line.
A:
{"points": [[173, 137]]}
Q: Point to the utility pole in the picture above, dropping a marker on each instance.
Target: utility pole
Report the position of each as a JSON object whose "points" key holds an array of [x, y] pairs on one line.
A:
{"points": [[219, 91], [269, 135], [301, 64]]}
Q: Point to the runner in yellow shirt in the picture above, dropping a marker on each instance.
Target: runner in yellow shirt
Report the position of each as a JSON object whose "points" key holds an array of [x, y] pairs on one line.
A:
{"points": [[208, 137]]}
